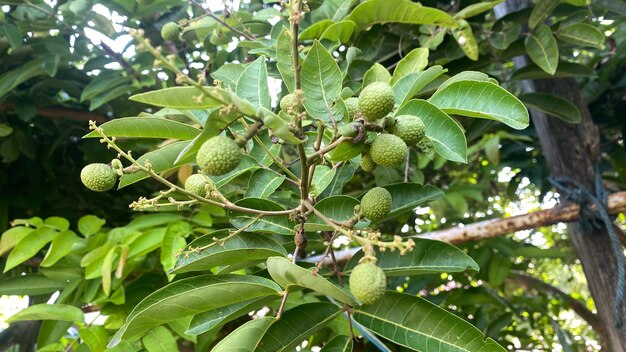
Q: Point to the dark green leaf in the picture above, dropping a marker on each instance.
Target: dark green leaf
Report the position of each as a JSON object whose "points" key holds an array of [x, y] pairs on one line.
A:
{"points": [[565, 69], [407, 196], [541, 11], [552, 105], [339, 343], [542, 48], [581, 34], [161, 160], [278, 224], [321, 84], [206, 321], [252, 84], [263, 183]]}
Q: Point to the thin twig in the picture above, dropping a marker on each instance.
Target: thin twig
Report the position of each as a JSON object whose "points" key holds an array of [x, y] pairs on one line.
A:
{"points": [[210, 13]]}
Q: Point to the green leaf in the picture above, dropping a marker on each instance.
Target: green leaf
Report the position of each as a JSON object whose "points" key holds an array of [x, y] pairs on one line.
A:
{"points": [[178, 98], [321, 84], [191, 296], [339, 32], [48, 312], [541, 11], [13, 78], [263, 183], [30, 245], [12, 34], [203, 322], [410, 85], [503, 38], [407, 196], [103, 83], [428, 257], [173, 242], [96, 337], [248, 247], [252, 84], [466, 40], [373, 12], [159, 339], [288, 274], [346, 150], [343, 175], [581, 34], [246, 337], [477, 8], [401, 318], [376, 73], [146, 127], [60, 247], [5, 130], [339, 208], [284, 60], [315, 30], [279, 124], [161, 160], [11, 237], [229, 74], [564, 69], [542, 48], [90, 224], [481, 100], [296, 325], [278, 224], [339, 343], [30, 285], [446, 135], [552, 105], [415, 61], [322, 177]]}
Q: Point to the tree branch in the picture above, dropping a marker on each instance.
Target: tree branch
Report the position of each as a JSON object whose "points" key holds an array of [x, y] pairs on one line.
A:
{"points": [[71, 114]]}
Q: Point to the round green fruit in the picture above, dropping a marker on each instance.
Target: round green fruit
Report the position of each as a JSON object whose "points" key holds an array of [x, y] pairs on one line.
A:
{"points": [[288, 103], [196, 184], [388, 150], [368, 283], [410, 128], [352, 105], [170, 31], [367, 164], [376, 101], [219, 155], [98, 177], [376, 204]]}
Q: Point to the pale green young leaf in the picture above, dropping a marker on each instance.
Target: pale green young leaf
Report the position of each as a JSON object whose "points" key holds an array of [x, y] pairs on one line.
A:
{"points": [[398, 11], [376, 73], [159, 339], [246, 337], [89, 225], [339, 32], [552, 105], [284, 60], [173, 242], [399, 318], [29, 284], [296, 325], [60, 247], [48, 312], [481, 99], [476, 9], [415, 61], [178, 98], [287, 274], [542, 49], [410, 85], [191, 296], [466, 40], [11, 237], [279, 125], [146, 127], [315, 30], [228, 74], [446, 134], [29, 246], [96, 337]]}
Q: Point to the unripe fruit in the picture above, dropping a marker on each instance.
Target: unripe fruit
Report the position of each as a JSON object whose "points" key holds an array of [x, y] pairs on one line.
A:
{"points": [[219, 155], [376, 204], [288, 103], [349, 130], [366, 163], [352, 106], [388, 150], [98, 177], [170, 31], [410, 128], [368, 283], [376, 101], [196, 184]]}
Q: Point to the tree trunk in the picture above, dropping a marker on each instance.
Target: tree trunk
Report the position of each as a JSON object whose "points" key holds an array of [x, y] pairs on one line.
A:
{"points": [[573, 150]]}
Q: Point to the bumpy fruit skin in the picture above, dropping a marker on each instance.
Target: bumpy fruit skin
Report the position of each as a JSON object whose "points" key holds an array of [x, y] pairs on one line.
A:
{"points": [[219, 155], [366, 163], [170, 31], [368, 283], [314, 4], [196, 184], [376, 203], [352, 105], [288, 103], [388, 150], [376, 101], [98, 177], [410, 128]]}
